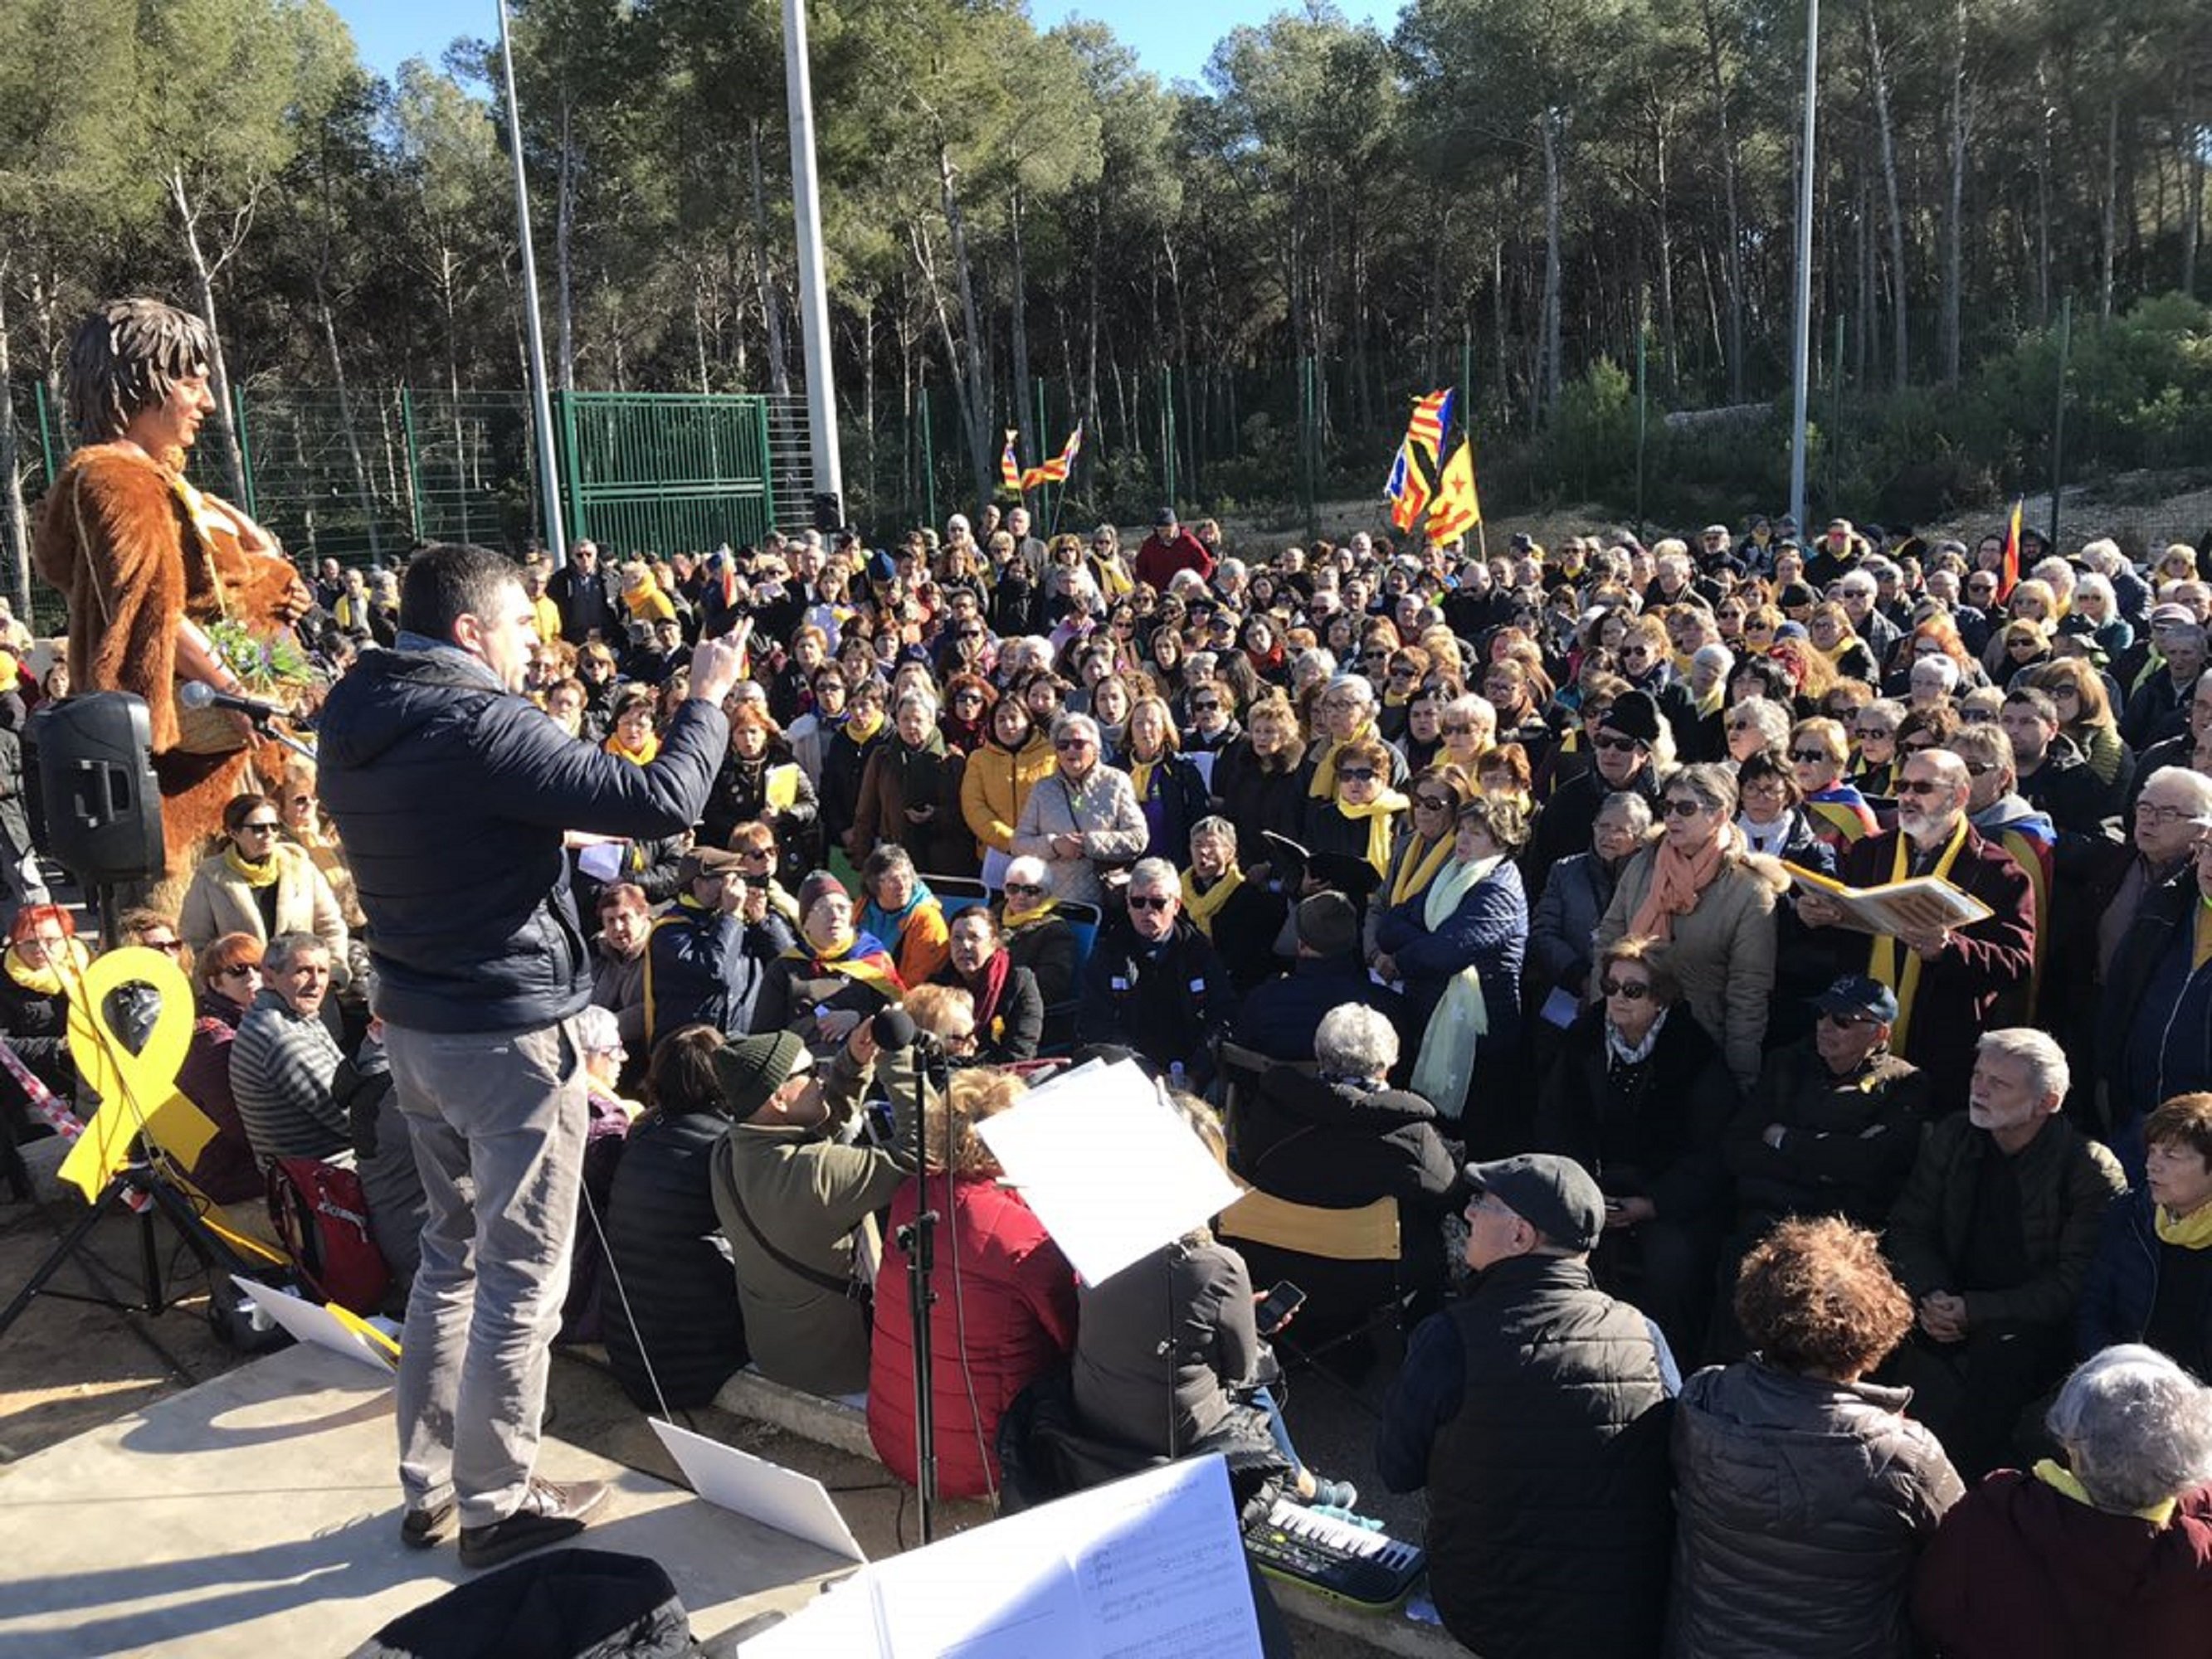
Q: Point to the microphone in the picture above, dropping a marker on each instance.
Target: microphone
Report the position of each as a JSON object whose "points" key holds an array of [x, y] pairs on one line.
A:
{"points": [[198, 694], [895, 1031]]}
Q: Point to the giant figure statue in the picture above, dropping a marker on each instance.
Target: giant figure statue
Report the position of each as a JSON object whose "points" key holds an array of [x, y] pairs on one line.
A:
{"points": [[159, 575]]}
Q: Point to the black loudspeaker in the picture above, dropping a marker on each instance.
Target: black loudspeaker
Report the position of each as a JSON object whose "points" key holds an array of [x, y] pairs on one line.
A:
{"points": [[829, 513], [103, 804]]}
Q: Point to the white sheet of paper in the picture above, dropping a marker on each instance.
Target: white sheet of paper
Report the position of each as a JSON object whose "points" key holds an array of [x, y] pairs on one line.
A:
{"points": [[1560, 1007], [759, 1490], [312, 1322], [1203, 760], [1112, 1169], [603, 862], [844, 1620]]}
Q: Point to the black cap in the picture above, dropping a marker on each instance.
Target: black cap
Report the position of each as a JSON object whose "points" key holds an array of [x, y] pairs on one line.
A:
{"points": [[1633, 714], [1555, 1196], [1164, 517]]}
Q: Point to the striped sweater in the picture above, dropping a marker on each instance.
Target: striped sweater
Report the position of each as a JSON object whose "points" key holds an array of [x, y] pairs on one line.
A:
{"points": [[281, 1069]]}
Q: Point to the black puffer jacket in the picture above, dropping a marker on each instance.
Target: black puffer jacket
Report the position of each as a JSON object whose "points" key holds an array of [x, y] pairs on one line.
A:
{"points": [[667, 1245], [1549, 1521], [452, 796], [1802, 1506]]}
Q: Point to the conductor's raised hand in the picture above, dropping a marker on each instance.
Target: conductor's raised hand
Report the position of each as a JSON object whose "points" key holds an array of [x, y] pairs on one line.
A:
{"points": [[714, 665]]}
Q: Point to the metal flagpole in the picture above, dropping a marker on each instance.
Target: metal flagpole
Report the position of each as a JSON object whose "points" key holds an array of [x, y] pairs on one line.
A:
{"points": [[813, 285], [549, 474], [1801, 341]]}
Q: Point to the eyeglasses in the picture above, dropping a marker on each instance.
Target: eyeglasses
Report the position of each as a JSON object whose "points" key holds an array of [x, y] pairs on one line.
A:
{"points": [[1458, 729], [1150, 901], [1920, 786], [1847, 1022], [1024, 887], [756, 854], [243, 970], [967, 696], [1616, 745], [1402, 670], [2151, 812], [1066, 743], [1628, 990], [1811, 757], [1683, 809], [1434, 802], [169, 945], [1874, 733], [260, 826], [1980, 768], [1206, 706]]}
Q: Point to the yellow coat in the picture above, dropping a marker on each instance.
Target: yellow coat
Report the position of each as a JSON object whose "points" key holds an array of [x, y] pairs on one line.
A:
{"points": [[994, 786]]}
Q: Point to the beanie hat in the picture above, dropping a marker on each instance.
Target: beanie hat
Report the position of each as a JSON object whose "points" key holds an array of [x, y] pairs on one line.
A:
{"points": [[752, 1068], [816, 888], [1633, 714]]}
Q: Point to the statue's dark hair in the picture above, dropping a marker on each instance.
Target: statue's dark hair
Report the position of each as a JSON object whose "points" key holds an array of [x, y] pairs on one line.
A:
{"points": [[126, 357]]}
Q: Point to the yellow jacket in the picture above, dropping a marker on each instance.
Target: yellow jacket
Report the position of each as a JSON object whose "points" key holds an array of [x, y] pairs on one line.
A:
{"points": [[996, 784]]}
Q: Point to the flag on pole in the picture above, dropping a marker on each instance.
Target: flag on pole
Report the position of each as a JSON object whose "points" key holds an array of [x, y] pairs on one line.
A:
{"points": [[1458, 509], [1432, 422], [1408, 490], [1010, 470], [1056, 470], [2009, 576]]}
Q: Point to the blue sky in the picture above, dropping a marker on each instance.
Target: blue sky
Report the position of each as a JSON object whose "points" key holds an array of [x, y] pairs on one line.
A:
{"points": [[1174, 38]]}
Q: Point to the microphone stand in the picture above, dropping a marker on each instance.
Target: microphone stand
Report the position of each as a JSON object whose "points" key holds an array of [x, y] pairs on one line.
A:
{"points": [[918, 1238]]}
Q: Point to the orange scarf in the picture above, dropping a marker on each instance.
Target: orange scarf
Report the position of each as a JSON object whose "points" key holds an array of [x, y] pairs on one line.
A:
{"points": [[1677, 883]]}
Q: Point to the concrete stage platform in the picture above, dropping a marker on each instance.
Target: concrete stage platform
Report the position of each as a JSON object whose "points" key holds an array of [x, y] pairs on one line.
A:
{"points": [[258, 1515]]}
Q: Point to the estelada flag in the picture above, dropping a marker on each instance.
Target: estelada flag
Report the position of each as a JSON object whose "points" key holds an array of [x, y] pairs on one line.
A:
{"points": [[1010, 470], [1056, 470], [1458, 509], [2009, 575], [1408, 490]]}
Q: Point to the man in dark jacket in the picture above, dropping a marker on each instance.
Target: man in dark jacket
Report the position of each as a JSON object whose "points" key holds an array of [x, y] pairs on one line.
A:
{"points": [[1625, 745], [1154, 985], [1281, 1017], [1536, 1412], [2053, 776], [583, 593], [708, 953], [2154, 1020], [453, 795], [1952, 984], [1993, 1235]]}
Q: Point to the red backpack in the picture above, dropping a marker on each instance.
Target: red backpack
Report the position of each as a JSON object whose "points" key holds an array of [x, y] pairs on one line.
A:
{"points": [[320, 1213]]}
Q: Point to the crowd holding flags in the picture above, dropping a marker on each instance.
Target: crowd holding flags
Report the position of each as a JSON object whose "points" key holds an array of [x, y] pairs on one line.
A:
{"points": [[1423, 485]]}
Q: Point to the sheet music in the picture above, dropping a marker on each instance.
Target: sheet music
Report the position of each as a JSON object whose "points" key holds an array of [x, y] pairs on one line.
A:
{"points": [[1110, 1167]]}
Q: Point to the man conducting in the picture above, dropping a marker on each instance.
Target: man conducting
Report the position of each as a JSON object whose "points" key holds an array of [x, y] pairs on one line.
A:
{"points": [[453, 795]]}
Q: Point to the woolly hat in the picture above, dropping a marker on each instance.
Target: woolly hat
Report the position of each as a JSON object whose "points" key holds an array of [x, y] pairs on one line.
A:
{"points": [[816, 888], [752, 1068], [1633, 714]]}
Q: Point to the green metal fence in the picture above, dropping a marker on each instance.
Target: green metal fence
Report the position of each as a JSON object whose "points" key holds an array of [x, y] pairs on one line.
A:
{"points": [[365, 475]]}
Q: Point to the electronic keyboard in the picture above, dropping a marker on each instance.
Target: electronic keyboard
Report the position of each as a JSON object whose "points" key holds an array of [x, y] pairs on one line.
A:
{"points": [[1366, 1569]]}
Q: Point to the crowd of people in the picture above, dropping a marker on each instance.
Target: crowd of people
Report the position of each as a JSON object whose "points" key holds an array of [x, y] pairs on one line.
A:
{"points": [[1488, 885]]}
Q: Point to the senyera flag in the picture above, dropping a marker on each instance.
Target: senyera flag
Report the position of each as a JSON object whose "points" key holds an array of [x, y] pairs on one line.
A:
{"points": [[1056, 470]]}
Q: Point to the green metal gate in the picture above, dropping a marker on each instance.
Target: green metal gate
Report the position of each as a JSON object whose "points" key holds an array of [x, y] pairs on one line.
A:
{"points": [[664, 472]]}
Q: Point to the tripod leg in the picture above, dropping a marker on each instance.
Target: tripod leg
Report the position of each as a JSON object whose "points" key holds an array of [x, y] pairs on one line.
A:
{"points": [[61, 1252]]}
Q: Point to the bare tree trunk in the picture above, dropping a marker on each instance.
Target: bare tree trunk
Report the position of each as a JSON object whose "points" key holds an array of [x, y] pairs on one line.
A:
{"points": [[977, 405], [1094, 427], [1549, 377], [1032, 439], [11, 475], [2042, 211], [1862, 248], [771, 302], [2107, 228], [1734, 265], [564, 229], [203, 274], [1955, 229], [361, 491], [1664, 224], [1878, 74], [1498, 323], [2192, 205]]}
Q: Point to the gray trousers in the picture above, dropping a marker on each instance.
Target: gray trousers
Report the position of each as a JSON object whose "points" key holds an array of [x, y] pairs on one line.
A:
{"points": [[498, 1120]]}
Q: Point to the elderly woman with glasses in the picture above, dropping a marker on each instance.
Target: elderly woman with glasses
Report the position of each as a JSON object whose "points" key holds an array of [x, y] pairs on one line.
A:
{"points": [[1819, 750], [226, 978], [262, 885], [1574, 902], [1703, 896], [1361, 817], [1428, 830], [1083, 817], [2107, 1549], [1040, 938]]}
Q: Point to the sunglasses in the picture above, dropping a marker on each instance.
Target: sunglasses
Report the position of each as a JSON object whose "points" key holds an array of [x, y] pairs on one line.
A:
{"points": [[1921, 786], [1616, 745], [968, 696], [1811, 757], [244, 970], [1210, 706], [1356, 774], [1024, 887], [1458, 729], [1149, 900], [1875, 734], [260, 826], [1847, 1022], [169, 945], [1071, 743], [1627, 990], [1434, 802], [1683, 809], [1980, 768], [303, 800]]}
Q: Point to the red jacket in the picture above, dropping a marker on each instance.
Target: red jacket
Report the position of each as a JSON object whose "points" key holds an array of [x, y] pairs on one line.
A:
{"points": [[1157, 561], [1006, 1298], [2020, 1570]]}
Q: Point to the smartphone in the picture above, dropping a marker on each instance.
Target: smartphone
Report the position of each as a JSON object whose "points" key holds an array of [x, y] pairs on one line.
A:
{"points": [[1277, 1307]]}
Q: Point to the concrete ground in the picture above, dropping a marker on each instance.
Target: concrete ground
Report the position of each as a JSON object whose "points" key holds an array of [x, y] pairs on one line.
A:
{"points": [[277, 1521]]}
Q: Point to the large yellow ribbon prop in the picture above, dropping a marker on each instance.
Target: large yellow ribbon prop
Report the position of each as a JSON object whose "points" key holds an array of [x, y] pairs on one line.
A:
{"points": [[138, 1093]]}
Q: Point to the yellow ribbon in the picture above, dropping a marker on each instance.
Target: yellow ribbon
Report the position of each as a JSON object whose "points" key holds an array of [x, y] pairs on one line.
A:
{"points": [[1883, 964], [138, 1092]]}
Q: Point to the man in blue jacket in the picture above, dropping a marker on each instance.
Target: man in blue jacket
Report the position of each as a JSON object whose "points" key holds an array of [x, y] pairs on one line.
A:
{"points": [[455, 796], [709, 951]]}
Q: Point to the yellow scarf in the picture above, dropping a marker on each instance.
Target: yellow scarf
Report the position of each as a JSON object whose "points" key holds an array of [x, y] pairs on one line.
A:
{"points": [[642, 755], [860, 731], [2192, 1231], [49, 981], [1323, 787], [1012, 918], [1884, 964], [1201, 907], [1396, 699], [2060, 1479], [1416, 873], [263, 874], [1140, 776], [1379, 813]]}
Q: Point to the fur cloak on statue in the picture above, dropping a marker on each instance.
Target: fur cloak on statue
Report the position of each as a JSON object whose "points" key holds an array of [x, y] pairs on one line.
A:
{"points": [[134, 548]]}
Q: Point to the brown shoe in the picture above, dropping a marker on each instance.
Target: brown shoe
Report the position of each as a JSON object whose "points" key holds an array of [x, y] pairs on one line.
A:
{"points": [[549, 1512]]}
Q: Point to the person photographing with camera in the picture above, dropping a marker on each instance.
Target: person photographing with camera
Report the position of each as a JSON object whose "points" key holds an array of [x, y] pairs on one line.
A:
{"points": [[708, 955], [455, 796]]}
